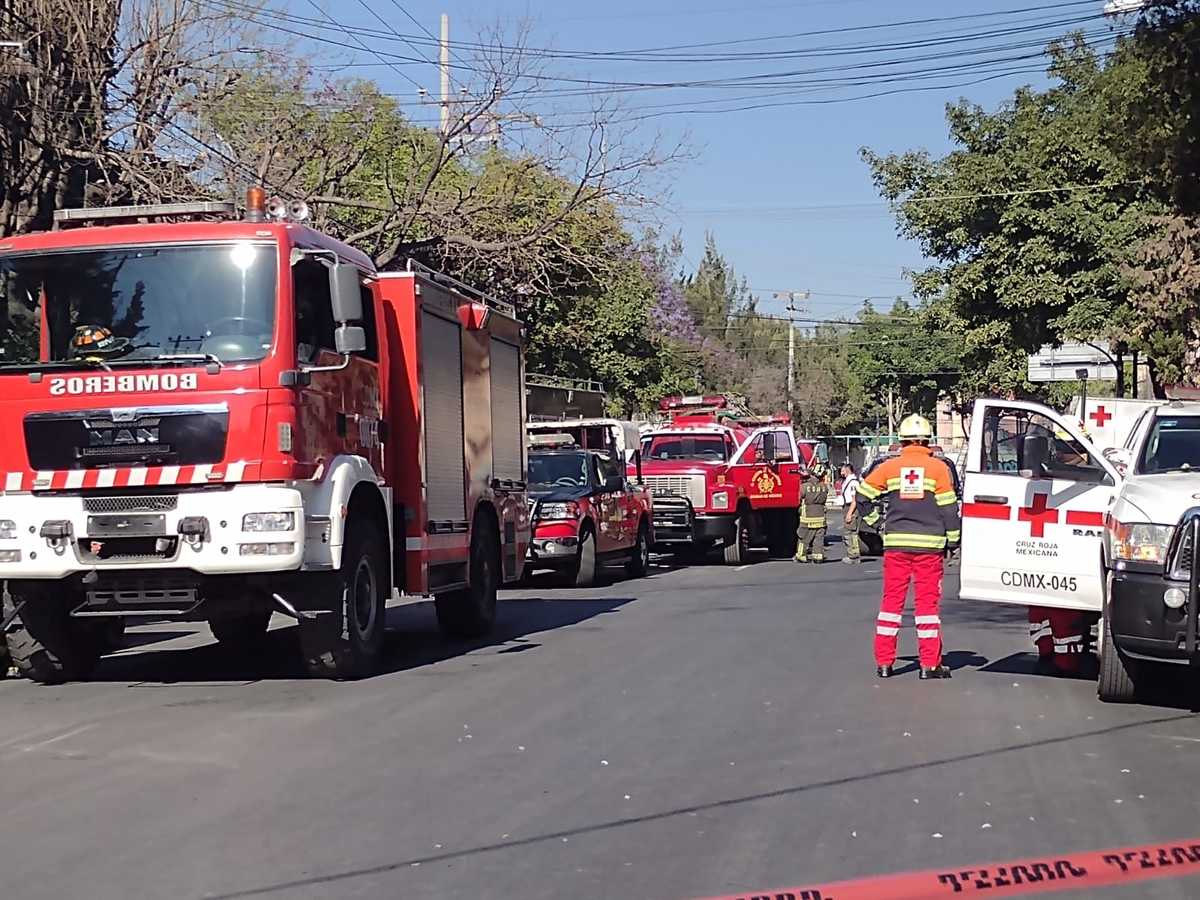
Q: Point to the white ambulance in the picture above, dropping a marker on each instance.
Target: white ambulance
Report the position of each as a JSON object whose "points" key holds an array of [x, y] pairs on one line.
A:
{"points": [[1107, 420], [1050, 520]]}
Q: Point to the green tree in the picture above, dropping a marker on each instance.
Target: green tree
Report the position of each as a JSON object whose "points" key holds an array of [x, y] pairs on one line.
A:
{"points": [[1028, 221]]}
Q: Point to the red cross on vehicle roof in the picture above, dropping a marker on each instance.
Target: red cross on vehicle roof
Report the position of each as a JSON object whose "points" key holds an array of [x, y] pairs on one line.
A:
{"points": [[1100, 416]]}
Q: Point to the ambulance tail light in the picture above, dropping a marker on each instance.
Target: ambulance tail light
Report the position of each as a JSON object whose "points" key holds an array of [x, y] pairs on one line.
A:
{"points": [[1140, 542]]}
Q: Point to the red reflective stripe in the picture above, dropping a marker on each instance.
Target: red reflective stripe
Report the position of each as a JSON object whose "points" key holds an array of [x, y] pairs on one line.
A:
{"points": [[985, 511], [1082, 517]]}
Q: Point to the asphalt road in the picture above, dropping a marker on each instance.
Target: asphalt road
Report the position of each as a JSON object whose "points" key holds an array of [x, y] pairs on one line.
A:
{"points": [[702, 731]]}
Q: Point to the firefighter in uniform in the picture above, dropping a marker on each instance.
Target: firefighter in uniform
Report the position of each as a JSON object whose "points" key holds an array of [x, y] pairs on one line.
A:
{"points": [[814, 495], [914, 493]]}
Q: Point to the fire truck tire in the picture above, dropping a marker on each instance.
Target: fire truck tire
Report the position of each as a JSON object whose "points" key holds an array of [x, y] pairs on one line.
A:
{"points": [[639, 562], [1118, 673], [348, 643], [46, 645], [737, 550], [240, 632], [583, 573], [471, 613]]}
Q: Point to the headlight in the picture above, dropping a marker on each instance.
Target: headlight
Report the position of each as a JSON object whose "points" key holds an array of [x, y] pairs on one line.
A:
{"points": [[8, 530], [720, 500], [558, 511], [1138, 541], [269, 521]]}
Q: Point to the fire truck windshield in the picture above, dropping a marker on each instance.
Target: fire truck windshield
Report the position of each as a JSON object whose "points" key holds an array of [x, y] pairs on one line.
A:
{"points": [[210, 300], [711, 447]]}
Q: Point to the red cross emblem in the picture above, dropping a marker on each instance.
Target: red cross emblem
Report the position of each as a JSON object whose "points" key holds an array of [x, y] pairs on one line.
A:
{"points": [[912, 477], [1100, 416], [1038, 515]]}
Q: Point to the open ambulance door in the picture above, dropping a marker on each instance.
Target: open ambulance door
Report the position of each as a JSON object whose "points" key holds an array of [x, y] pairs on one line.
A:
{"points": [[1035, 495]]}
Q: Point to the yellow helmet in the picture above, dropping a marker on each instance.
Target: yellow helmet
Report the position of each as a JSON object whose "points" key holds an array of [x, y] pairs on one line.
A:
{"points": [[916, 428]]}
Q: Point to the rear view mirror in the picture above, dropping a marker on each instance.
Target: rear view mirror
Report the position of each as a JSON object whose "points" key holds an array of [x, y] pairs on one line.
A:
{"points": [[344, 293], [349, 339], [614, 484], [1035, 452]]}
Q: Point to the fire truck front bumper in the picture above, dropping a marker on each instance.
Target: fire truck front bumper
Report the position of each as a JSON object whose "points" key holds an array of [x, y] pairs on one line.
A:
{"points": [[1143, 625], [232, 531], [677, 522]]}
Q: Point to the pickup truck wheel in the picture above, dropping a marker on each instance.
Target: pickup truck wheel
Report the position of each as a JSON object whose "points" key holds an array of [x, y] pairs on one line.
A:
{"points": [[240, 632], [348, 642], [1118, 673], [737, 548], [472, 612], [583, 573], [46, 644], [639, 562]]}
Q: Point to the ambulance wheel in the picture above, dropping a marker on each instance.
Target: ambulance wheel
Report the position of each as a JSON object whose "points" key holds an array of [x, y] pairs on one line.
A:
{"points": [[737, 548], [471, 612], [347, 642], [1118, 673], [583, 573], [639, 562], [45, 643]]}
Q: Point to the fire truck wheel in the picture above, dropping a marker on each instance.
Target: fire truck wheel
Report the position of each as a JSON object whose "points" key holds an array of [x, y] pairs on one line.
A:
{"points": [[737, 549], [348, 642], [639, 562], [240, 632], [1117, 672], [472, 612], [46, 645], [583, 573]]}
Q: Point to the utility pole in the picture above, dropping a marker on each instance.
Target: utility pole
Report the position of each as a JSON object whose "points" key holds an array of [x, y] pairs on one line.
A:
{"points": [[444, 67], [791, 297], [891, 414]]}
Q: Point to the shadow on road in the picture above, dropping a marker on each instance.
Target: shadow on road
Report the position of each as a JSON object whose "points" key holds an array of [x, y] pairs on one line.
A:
{"points": [[412, 642]]}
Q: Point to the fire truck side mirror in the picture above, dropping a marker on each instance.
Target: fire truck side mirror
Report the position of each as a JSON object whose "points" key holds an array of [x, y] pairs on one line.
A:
{"points": [[349, 339], [344, 293], [767, 452]]}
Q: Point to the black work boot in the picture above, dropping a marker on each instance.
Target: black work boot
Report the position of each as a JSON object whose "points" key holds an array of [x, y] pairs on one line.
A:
{"points": [[883, 671], [938, 671]]}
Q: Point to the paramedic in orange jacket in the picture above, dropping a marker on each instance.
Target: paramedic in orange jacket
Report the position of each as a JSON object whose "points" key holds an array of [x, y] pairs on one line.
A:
{"points": [[920, 525]]}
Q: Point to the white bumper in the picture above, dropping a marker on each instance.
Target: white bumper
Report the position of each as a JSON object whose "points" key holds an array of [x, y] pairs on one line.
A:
{"points": [[219, 553]]}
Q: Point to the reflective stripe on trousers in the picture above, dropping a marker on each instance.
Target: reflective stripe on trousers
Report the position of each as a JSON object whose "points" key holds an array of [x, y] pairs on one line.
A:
{"points": [[924, 570]]}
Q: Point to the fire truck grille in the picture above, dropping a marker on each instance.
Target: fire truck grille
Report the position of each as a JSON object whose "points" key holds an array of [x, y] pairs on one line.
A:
{"points": [[120, 504], [690, 487]]}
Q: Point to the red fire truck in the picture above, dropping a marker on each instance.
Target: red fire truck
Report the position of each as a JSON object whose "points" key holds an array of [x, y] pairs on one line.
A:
{"points": [[723, 478], [213, 418]]}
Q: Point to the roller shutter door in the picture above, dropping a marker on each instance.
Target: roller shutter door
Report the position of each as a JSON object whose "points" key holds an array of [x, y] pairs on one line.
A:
{"points": [[441, 356], [507, 425]]}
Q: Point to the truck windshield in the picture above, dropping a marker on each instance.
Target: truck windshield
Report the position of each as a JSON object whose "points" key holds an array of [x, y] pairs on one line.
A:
{"points": [[1173, 445], [680, 446], [136, 304], [557, 470]]}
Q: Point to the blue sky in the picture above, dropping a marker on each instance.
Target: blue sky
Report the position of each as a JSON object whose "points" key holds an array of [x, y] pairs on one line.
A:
{"points": [[760, 177]]}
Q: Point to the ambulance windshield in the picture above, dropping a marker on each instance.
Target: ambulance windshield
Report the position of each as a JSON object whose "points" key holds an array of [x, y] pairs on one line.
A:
{"points": [[709, 447], [215, 300], [1173, 445]]}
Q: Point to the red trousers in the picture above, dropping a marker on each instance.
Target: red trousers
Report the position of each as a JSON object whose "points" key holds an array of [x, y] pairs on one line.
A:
{"points": [[1058, 633], [924, 570]]}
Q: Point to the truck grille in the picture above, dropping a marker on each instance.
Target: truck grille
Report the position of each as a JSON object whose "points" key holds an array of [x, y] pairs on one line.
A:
{"points": [[143, 503], [690, 487]]}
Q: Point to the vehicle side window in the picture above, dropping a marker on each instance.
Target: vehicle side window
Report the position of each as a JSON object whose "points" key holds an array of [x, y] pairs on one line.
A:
{"points": [[314, 310], [608, 468], [368, 324], [1008, 450]]}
